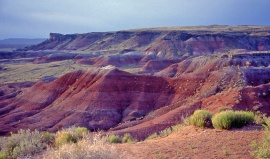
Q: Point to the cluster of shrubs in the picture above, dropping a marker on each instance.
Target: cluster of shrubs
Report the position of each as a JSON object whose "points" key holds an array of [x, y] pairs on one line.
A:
{"points": [[71, 135], [223, 120], [127, 138], [227, 119], [235, 119], [79, 143], [24, 142], [59, 145]]}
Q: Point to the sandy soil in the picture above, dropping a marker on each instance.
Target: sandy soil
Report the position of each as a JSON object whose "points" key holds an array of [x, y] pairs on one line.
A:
{"points": [[196, 143]]}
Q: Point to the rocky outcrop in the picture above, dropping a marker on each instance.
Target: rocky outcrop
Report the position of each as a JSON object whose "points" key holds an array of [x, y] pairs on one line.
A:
{"points": [[168, 43]]}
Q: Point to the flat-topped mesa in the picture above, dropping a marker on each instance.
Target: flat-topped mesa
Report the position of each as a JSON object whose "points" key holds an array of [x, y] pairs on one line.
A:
{"points": [[168, 43], [55, 36], [260, 54], [61, 37]]}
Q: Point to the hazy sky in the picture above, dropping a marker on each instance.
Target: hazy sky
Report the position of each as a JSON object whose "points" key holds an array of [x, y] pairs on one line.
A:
{"points": [[37, 18]]}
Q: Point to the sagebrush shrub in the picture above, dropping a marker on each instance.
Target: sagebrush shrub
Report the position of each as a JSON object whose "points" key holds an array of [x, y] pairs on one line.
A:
{"points": [[152, 136], [229, 119], [48, 138], [23, 143], [128, 138], [84, 149], [266, 124], [201, 118], [81, 132], [243, 118], [178, 127], [262, 148], [260, 118], [65, 137], [165, 132], [223, 120], [2, 155], [114, 139]]}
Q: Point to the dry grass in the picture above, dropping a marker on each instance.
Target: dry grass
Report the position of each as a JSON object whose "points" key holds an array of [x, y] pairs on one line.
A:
{"points": [[34, 72], [90, 147], [22, 143]]}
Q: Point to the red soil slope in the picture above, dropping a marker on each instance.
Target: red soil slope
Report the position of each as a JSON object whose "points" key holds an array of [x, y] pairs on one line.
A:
{"points": [[97, 99], [195, 143], [140, 104]]}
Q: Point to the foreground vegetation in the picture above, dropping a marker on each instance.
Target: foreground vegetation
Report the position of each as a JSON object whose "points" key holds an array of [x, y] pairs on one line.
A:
{"points": [[202, 118], [262, 148], [226, 120], [223, 120], [232, 119], [69, 144], [80, 143]]}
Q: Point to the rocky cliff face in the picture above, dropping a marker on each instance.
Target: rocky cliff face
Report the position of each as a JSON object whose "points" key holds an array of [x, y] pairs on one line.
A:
{"points": [[164, 43]]}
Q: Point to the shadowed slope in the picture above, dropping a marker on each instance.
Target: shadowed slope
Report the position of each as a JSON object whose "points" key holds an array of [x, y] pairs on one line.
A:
{"points": [[97, 99]]}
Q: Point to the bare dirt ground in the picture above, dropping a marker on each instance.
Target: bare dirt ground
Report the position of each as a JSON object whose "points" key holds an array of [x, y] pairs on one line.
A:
{"points": [[195, 143]]}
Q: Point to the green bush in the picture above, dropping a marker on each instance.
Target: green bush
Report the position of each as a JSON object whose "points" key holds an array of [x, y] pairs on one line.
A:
{"points": [[201, 118], [262, 148], [23, 143], [177, 127], [266, 123], [243, 118], [186, 121], [65, 137], [2, 155], [260, 118], [223, 120], [229, 119], [114, 139], [81, 132], [152, 136], [165, 132], [224, 109], [128, 138], [48, 138]]}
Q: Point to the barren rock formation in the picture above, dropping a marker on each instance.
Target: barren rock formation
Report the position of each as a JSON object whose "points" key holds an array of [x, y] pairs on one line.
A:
{"points": [[179, 70]]}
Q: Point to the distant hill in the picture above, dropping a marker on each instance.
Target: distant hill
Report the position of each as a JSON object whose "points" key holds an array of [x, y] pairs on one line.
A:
{"points": [[164, 43], [18, 43]]}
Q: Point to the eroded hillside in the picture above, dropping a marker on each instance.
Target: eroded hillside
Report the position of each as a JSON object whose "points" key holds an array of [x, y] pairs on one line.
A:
{"points": [[136, 81]]}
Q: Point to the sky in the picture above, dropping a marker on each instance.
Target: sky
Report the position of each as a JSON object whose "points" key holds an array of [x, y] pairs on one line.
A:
{"points": [[38, 18]]}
